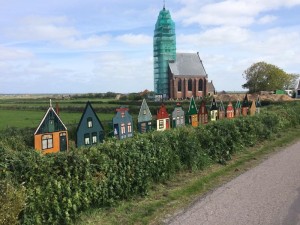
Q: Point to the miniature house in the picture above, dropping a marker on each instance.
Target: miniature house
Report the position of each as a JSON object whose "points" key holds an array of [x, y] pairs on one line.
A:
{"points": [[245, 106], [258, 105], [230, 111], [202, 113], [178, 116], [252, 109], [221, 111], [89, 130], [122, 124], [213, 110], [298, 90], [163, 120], [237, 108], [193, 113], [51, 135], [144, 118]]}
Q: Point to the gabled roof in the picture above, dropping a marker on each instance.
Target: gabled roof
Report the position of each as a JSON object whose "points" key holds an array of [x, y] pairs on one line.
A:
{"points": [[162, 112], [213, 105], [238, 104], [203, 105], [144, 117], [245, 102], [229, 106], [58, 124], [210, 87], [253, 105], [193, 108], [221, 107], [188, 64], [89, 105]]}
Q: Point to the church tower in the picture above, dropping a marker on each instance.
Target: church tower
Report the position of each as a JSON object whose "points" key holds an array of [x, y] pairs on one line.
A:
{"points": [[164, 50]]}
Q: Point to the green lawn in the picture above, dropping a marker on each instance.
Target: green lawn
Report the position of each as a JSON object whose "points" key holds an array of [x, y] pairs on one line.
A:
{"points": [[21, 119]]}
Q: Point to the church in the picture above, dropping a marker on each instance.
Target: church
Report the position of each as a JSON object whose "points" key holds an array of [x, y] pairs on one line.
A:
{"points": [[176, 75]]}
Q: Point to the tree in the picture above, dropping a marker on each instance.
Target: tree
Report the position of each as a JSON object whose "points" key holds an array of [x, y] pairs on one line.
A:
{"points": [[262, 76]]}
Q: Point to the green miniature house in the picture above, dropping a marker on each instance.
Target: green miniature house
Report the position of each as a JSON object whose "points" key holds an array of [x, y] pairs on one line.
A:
{"points": [[144, 118], [123, 124], [178, 116], [221, 111], [192, 113], [237, 108], [89, 130], [213, 110]]}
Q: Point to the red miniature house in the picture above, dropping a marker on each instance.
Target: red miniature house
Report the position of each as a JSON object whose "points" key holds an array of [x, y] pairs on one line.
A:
{"points": [[163, 120]]}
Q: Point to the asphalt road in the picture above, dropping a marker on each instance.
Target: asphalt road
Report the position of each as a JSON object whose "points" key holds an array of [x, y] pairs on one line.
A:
{"points": [[267, 194]]}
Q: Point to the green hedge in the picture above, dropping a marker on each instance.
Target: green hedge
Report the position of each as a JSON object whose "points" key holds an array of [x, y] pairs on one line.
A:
{"points": [[60, 186]]}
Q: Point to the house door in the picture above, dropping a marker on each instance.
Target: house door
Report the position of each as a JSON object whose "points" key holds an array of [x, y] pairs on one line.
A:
{"points": [[63, 141]]}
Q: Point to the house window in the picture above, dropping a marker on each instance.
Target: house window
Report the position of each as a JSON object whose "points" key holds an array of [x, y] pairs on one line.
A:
{"points": [[179, 85], [87, 139], [123, 114], [123, 128], [161, 124], [182, 120], [89, 122], [47, 141], [145, 112], [94, 138], [178, 120], [129, 127], [200, 85], [190, 85]]}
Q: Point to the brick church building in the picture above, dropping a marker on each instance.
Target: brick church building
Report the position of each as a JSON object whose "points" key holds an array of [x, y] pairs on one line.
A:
{"points": [[176, 75]]}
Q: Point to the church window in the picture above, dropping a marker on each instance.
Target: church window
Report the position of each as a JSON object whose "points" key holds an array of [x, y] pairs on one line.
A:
{"points": [[179, 85], [190, 85], [200, 85]]}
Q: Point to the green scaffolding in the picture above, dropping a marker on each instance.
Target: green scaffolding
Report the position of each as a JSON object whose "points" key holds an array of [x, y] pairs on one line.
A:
{"points": [[164, 50]]}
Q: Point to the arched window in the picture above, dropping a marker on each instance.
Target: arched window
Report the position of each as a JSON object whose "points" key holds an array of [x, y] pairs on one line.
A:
{"points": [[179, 85], [200, 85], [190, 85]]}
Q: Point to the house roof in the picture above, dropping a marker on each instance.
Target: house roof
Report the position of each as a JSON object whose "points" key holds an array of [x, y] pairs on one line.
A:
{"points": [[89, 105], [192, 108], [144, 117], [221, 107], [60, 125], [213, 105], [210, 87], [188, 64]]}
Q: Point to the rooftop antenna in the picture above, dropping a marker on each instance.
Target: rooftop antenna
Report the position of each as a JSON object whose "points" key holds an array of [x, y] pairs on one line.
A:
{"points": [[164, 4]]}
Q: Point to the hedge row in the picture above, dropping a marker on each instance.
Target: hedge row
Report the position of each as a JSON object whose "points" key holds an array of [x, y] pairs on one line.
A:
{"points": [[60, 186]]}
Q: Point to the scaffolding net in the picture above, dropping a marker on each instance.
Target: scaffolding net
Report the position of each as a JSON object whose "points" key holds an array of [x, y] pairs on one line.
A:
{"points": [[164, 50]]}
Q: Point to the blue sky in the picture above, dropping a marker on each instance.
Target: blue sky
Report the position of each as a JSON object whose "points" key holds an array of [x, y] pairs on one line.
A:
{"points": [[76, 46]]}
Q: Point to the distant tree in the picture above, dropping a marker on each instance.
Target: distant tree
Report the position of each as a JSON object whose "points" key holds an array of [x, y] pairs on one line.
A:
{"points": [[262, 76]]}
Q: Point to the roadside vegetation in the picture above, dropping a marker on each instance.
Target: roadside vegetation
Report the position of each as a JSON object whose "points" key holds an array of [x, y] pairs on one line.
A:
{"points": [[57, 188]]}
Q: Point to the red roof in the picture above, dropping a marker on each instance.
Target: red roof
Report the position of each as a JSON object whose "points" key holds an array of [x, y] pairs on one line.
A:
{"points": [[162, 112]]}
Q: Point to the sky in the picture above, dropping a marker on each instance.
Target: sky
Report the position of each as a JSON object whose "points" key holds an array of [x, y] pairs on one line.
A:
{"points": [[96, 46]]}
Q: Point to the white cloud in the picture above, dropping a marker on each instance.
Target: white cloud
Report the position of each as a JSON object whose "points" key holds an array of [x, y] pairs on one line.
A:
{"points": [[7, 53], [266, 19], [138, 39]]}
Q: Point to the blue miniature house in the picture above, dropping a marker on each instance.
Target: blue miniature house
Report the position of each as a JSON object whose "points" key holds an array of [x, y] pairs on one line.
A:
{"points": [[144, 118], [89, 130], [178, 116], [123, 124]]}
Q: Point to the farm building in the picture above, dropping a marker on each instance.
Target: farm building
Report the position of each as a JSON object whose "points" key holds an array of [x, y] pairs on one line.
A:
{"points": [[89, 130], [193, 113], [230, 111], [123, 124], [202, 113], [213, 110], [144, 118], [51, 135], [298, 90], [163, 120], [178, 116]]}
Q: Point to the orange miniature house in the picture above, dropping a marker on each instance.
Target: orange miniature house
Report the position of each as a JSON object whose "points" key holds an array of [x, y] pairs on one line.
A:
{"points": [[51, 135]]}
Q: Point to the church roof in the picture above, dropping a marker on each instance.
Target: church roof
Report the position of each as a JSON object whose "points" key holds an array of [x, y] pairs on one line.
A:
{"points": [[210, 87], [188, 64]]}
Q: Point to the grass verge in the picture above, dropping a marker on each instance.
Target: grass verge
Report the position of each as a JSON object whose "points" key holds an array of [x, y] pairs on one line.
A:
{"points": [[180, 192]]}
